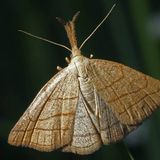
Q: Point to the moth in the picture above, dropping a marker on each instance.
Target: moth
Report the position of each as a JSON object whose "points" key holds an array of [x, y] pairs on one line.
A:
{"points": [[89, 103]]}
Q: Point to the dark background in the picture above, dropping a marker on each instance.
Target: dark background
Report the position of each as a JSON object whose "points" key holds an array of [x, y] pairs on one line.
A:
{"points": [[131, 35]]}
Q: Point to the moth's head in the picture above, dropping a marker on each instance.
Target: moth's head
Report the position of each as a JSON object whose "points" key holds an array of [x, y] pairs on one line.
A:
{"points": [[77, 58], [75, 51]]}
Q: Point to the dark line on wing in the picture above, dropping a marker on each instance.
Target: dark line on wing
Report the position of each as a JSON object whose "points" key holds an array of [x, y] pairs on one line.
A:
{"points": [[43, 108]]}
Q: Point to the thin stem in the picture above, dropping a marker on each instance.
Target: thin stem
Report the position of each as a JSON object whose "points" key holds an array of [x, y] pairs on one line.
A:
{"points": [[46, 40], [129, 153], [97, 27]]}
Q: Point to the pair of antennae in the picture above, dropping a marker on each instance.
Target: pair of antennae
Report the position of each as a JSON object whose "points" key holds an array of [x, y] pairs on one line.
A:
{"points": [[63, 46]]}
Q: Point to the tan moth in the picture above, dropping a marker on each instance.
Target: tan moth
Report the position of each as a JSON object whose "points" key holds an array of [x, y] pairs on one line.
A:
{"points": [[89, 103]]}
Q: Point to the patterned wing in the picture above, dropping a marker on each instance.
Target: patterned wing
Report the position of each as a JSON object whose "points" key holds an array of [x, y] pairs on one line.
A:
{"points": [[111, 128], [132, 96], [91, 130], [86, 139], [48, 122]]}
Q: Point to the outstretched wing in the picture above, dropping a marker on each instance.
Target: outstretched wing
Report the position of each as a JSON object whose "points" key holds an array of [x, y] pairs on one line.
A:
{"points": [[48, 122], [91, 130], [132, 96]]}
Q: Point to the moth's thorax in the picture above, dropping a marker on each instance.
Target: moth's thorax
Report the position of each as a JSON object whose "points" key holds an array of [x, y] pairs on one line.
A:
{"points": [[79, 63]]}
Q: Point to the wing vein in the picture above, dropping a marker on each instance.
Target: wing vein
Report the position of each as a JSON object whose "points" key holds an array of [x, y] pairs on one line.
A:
{"points": [[42, 109]]}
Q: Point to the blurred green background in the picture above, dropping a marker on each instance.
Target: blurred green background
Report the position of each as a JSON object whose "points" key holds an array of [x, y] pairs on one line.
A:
{"points": [[131, 35]]}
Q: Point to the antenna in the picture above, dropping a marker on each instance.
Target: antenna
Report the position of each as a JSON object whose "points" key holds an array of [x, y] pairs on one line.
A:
{"points": [[97, 27], [46, 40]]}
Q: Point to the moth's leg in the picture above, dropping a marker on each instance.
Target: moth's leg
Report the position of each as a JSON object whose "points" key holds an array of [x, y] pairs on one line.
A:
{"points": [[67, 60], [59, 68], [91, 56], [98, 111]]}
